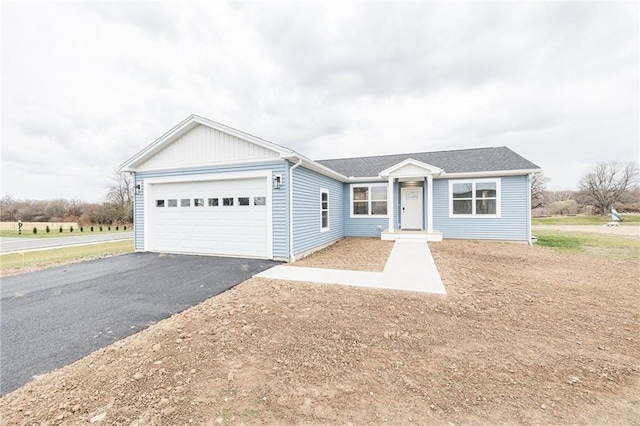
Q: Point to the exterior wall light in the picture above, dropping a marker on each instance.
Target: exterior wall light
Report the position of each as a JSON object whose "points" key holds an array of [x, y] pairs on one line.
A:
{"points": [[277, 181]]}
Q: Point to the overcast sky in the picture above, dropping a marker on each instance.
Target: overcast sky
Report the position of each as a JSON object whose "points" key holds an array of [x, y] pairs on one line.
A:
{"points": [[85, 85]]}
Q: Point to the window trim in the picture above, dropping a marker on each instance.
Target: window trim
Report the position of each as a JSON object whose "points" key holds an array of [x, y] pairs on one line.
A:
{"points": [[473, 214], [368, 215], [328, 209]]}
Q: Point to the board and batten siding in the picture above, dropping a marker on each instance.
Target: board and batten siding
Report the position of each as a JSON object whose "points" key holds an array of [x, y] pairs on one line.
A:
{"points": [[512, 225], [279, 204], [307, 235], [362, 226], [205, 146]]}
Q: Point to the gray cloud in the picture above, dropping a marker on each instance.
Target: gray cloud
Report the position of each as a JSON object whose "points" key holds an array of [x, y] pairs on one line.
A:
{"points": [[86, 85]]}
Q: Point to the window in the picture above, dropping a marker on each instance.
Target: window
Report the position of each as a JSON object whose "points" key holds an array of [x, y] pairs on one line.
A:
{"points": [[369, 200], [479, 197], [185, 202], [243, 201], [213, 202], [259, 201], [198, 202], [227, 201], [172, 203], [324, 210], [159, 203]]}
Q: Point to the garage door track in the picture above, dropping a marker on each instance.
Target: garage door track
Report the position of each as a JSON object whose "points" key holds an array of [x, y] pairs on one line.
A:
{"points": [[53, 317]]}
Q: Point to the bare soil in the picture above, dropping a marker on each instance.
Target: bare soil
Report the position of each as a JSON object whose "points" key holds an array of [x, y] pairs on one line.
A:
{"points": [[355, 254], [525, 335]]}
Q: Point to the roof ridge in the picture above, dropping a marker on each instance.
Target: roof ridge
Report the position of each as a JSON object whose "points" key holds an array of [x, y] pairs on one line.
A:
{"points": [[414, 153]]}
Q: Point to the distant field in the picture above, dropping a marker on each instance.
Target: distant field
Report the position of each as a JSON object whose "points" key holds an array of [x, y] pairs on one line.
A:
{"points": [[605, 245], [39, 259], [584, 220], [55, 233]]}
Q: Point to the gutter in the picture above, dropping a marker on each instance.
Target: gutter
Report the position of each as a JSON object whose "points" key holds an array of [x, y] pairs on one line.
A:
{"points": [[292, 257]]}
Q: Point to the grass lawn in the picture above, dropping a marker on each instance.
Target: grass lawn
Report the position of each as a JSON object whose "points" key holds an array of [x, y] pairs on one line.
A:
{"points": [[606, 245], [16, 262], [55, 233], [584, 220]]}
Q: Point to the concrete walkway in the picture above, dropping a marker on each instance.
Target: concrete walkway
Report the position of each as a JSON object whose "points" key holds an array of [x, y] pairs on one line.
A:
{"points": [[410, 267]]}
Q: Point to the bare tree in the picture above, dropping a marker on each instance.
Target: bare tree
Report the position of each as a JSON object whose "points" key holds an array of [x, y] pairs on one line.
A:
{"points": [[120, 197], [538, 186], [604, 184]]}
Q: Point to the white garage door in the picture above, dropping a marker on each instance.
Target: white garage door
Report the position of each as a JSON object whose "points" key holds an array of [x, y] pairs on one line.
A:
{"points": [[221, 217]]}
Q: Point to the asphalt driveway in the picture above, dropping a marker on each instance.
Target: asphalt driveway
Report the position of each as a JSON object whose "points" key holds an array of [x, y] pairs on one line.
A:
{"points": [[53, 317]]}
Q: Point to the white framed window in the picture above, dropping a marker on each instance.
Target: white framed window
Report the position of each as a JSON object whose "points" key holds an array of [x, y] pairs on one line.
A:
{"points": [[159, 203], [198, 202], [474, 198], [369, 200], [324, 210]]}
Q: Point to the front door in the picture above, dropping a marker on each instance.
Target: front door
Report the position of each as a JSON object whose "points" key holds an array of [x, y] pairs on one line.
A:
{"points": [[411, 208]]}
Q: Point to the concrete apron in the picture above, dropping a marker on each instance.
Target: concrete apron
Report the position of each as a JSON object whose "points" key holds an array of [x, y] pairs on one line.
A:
{"points": [[410, 267]]}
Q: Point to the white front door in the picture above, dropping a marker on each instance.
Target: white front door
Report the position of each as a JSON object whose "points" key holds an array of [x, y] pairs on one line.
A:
{"points": [[411, 208]]}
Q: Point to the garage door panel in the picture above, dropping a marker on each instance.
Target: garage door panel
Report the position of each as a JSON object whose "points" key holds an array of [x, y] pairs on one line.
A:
{"points": [[225, 230]]}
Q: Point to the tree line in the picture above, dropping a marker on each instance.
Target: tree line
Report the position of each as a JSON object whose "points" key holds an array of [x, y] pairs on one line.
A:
{"points": [[117, 208], [603, 186]]}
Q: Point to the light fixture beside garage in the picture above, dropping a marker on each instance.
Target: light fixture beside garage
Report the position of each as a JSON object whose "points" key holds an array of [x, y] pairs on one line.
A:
{"points": [[138, 188], [277, 181]]}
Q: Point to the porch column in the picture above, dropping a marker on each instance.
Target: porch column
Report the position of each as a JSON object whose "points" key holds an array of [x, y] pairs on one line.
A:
{"points": [[430, 201], [390, 204]]}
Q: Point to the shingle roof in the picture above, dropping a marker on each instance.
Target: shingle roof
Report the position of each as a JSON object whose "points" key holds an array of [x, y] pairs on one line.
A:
{"points": [[458, 161]]}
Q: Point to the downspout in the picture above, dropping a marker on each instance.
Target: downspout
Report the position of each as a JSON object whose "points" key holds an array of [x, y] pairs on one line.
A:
{"points": [[529, 178], [292, 257], [133, 219]]}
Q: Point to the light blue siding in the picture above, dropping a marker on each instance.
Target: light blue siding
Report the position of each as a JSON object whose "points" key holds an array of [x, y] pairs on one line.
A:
{"points": [[512, 225], [362, 226], [306, 210], [279, 204]]}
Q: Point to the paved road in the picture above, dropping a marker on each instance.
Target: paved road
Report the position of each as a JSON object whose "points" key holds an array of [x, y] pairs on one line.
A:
{"points": [[53, 317], [8, 244]]}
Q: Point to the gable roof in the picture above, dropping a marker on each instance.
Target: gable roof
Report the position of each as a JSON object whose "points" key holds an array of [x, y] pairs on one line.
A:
{"points": [[186, 126], [479, 161], [495, 159]]}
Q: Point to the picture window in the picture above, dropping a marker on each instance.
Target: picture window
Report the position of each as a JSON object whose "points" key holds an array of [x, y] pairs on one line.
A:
{"points": [[369, 200]]}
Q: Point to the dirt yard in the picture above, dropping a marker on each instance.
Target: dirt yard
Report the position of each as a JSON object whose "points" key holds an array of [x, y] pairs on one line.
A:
{"points": [[525, 335]]}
